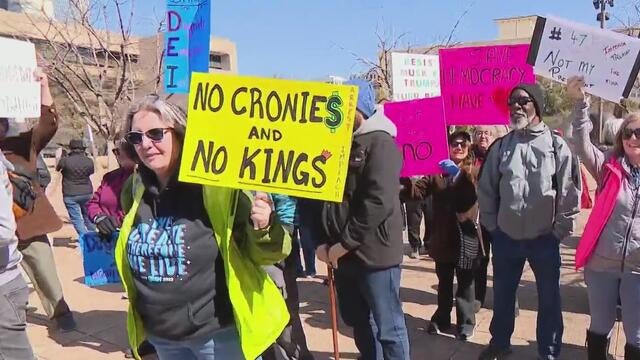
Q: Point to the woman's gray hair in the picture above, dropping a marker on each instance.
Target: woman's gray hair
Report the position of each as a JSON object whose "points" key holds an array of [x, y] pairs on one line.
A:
{"points": [[497, 131], [170, 114]]}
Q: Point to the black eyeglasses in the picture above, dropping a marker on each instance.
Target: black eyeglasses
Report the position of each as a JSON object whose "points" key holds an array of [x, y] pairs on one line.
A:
{"points": [[627, 133], [155, 135], [463, 144], [522, 101]]}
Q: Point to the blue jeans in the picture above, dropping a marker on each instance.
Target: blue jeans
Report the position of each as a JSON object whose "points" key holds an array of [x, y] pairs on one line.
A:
{"points": [[509, 257], [369, 302], [77, 209], [224, 344]]}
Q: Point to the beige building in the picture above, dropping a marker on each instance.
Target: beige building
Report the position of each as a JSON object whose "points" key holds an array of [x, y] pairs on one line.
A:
{"points": [[514, 30], [144, 55], [29, 6], [145, 52], [222, 58], [520, 27]]}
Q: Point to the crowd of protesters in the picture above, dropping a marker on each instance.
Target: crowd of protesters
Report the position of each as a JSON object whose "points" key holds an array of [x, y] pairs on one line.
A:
{"points": [[505, 195]]}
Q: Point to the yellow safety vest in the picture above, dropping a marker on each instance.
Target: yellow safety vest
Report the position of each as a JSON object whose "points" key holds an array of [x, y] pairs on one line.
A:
{"points": [[259, 309]]}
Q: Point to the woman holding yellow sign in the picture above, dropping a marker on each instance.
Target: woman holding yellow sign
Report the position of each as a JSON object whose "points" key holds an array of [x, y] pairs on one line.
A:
{"points": [[189, 255]]}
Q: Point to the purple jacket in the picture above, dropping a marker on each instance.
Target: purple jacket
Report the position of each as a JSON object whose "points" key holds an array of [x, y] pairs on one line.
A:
{"points": [[106, 200]]}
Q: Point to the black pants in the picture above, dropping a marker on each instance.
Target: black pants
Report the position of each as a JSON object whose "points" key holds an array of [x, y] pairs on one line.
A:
{"points": [[292, 343], [465, 315], [480, 273], [416, 211]]}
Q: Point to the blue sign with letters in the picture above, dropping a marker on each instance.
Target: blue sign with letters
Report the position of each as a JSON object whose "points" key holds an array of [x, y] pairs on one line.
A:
{"points": [[186, 42], [98, 259]]}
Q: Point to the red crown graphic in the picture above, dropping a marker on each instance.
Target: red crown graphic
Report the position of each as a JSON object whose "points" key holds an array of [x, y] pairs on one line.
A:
{"points": [[326, 154]]}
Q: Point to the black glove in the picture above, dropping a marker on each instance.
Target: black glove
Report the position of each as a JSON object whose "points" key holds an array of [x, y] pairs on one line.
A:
{"points": [[106, 225]]}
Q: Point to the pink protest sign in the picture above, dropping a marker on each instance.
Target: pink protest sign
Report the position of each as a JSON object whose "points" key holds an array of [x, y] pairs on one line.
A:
{"points": [[422, 134], [475, 82]]}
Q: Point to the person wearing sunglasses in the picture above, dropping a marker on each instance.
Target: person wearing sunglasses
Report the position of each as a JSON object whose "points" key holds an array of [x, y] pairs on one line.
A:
{"points": [[609, 249], [454, 197], [190, 256], [528, 192]]}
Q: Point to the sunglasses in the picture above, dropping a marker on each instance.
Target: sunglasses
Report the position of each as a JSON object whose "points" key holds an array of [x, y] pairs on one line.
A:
{"points": [[522, 101], [462, 144], [627, 133], [155, 135]]}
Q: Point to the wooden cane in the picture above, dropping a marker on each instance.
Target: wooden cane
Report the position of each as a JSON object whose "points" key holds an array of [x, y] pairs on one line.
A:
{"points": [[615, 351], [334, 312]]}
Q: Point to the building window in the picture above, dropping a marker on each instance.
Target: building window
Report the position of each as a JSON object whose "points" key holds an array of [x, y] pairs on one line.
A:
{"points": [[219, 61], [215, 62]]}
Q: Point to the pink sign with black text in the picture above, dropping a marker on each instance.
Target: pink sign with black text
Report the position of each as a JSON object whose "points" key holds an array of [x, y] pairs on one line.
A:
{"points": [[475, 82], [422, 134]]}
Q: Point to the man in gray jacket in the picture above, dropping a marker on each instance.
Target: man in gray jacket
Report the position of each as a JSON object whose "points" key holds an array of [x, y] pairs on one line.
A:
{"points": [[528, 193]]}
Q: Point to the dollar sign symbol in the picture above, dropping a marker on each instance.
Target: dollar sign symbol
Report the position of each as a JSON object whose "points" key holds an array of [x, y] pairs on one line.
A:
{"points": [[334, 104]]}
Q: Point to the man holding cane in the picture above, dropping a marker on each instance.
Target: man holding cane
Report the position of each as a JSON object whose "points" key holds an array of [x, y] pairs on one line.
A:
{"points": [[363, 237]]}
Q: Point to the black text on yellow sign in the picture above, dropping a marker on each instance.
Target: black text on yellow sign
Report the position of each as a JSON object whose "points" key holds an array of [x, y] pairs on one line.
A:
{"points": [[272, 135]]}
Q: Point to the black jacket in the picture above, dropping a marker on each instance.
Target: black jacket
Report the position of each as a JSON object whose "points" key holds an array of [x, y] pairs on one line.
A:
{"points": [[76, 169], [449, 198], [368, 222]]}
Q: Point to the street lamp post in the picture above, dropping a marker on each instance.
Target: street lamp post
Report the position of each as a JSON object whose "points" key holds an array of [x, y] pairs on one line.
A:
{"points": [[602, 16]]}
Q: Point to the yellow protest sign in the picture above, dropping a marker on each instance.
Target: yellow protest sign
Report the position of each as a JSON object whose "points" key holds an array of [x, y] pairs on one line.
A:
{"points": [[277, 136]]}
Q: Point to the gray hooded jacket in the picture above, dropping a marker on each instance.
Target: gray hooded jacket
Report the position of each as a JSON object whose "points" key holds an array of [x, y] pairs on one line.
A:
{"points": [[619, 244], [528, 187], [10, 257]]}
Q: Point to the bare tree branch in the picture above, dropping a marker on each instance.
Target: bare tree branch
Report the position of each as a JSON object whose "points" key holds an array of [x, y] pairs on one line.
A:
{"points": [[92, 65], [123, 68], [455, 26], [379, 70]]}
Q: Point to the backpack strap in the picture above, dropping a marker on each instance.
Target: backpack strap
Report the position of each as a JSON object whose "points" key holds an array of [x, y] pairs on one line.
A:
{"points": [[555, 145], [575, 167], [575, 161], [22, 171]]}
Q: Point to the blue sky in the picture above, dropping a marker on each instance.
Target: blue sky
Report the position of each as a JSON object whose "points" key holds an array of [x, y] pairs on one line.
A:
{"points": [[307, 39]]}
